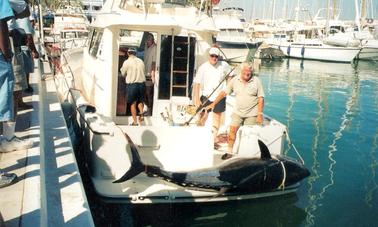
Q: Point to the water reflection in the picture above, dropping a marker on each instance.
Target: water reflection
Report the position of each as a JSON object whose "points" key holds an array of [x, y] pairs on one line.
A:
{"points": [[275, 211], [317, 81]]}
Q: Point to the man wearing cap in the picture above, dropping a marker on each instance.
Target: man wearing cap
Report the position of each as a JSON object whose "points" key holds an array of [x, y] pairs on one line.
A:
{"points": [[210, 74], [133, 71]]}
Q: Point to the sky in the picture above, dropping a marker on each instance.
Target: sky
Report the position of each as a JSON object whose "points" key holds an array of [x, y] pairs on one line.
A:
{"points": [[263, 8]]}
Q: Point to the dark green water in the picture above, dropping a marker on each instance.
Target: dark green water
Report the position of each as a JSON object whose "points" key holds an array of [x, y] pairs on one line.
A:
{"points": [[331, 111]]}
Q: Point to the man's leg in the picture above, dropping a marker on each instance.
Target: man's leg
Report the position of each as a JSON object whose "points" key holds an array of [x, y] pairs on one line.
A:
{"points": [[140, 108], [232, 137], [134, 112], [216, 125]]}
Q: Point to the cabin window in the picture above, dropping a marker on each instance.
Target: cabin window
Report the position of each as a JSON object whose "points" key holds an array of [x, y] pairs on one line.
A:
{"points": [[95, 40], [137, 40]]}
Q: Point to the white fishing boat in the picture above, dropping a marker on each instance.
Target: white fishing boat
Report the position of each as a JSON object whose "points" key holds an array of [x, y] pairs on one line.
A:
{"points": [[233, 37], [167, 147], [313, 49], [69, 28]]}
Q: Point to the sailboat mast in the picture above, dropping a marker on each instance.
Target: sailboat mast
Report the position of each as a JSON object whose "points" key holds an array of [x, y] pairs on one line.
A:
{"points": [[363, 10], [372, 9], [357, 16], [273, 12], [328, 17]]}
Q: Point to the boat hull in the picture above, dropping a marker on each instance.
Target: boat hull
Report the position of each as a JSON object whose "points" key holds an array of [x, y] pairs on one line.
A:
{"points": [[368, 53], [321, 53], [238, 52]]}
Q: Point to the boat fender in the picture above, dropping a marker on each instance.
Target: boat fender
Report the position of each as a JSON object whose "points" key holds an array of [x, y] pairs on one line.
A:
{"points": [[288, 50], [302, 51]]}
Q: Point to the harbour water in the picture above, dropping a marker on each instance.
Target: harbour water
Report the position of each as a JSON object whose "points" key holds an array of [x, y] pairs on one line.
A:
{"points": [[331, 111]]}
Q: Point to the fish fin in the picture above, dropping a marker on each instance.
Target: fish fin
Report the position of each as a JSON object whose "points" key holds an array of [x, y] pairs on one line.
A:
{"points": [[265, 154], [137, 166]]}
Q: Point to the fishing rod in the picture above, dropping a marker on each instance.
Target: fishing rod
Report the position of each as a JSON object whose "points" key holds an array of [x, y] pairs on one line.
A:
{"points": [[207, 98]]}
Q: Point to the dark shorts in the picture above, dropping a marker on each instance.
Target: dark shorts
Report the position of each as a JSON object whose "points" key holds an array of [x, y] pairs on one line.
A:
{"points": [[220, 107], [135, 92], [28, 61]]}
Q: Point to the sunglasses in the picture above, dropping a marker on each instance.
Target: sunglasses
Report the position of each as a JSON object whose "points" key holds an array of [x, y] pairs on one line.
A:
{"points": [[214, 56]]}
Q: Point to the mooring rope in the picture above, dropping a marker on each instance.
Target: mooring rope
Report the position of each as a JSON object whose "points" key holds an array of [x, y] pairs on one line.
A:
{"points": [[295, 149]]}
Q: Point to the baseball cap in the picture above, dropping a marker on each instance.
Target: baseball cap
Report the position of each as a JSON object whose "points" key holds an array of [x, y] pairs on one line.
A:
{"points": [[132, 50], [214, 51]]}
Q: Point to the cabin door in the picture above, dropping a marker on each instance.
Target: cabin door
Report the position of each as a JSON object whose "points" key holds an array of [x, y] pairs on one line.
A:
{"points": [[176, 66]]}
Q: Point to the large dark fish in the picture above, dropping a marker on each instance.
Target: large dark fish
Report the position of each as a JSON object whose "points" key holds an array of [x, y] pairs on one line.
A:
{"points": [[236, 174]]}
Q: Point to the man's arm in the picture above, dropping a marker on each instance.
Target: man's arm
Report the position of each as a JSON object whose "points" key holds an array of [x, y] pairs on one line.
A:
{"points": [[260, 109], [220, 96], [196, 92], [152, 73], [4, 41], [30, 44]]}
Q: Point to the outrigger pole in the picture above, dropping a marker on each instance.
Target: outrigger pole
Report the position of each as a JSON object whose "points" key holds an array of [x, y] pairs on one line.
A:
{"points": [[207, 98]]}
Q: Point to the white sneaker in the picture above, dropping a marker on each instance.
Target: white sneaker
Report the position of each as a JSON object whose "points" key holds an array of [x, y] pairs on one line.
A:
{"points": [[7, 179], [15, 144]]}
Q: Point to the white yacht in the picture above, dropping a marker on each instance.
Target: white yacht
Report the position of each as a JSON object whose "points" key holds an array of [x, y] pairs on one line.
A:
{"points": [[313, 49], [233, 37], [69, 29], [167, 158]]}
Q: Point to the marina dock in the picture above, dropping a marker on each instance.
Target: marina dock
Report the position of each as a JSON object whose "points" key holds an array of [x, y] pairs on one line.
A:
{"points": [[49, 190]]}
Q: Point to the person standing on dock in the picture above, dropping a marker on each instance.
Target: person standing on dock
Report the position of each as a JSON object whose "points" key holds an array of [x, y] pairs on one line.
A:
{"points": [[150, 64], [7, 12], [133, 71], [25, 51], [209, 76], [249, 102]]}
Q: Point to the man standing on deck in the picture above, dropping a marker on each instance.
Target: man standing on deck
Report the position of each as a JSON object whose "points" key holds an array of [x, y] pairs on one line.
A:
{"points": [[249, 102], [150, 64], [133, 70], [211, 74]]}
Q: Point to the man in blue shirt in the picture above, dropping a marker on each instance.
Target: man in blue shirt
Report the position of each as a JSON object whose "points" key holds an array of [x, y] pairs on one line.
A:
{"points": [[19, 9]]}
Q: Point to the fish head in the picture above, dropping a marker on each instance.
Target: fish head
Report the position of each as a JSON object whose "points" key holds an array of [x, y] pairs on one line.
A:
{"points": [[294, 170]]}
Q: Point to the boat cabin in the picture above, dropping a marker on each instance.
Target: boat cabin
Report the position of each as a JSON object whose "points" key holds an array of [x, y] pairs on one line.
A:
{"points": [[181, 47]]}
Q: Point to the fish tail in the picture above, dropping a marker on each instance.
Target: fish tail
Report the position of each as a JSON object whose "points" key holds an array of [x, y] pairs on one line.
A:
{"points": [[137, 165]]}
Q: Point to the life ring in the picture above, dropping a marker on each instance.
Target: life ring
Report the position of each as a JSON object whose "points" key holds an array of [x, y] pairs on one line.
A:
{"points": [[215, 2]]}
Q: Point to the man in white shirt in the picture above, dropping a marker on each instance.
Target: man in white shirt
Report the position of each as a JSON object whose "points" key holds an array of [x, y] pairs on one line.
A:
{"points": [[133, 71], [210, 75]]}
